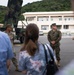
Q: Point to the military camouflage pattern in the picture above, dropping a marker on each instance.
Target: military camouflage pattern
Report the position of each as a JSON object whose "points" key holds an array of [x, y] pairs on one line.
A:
{"points": [[11, 35], [55, 36]]}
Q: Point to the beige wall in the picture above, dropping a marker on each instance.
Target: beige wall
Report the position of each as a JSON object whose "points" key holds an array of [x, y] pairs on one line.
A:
{"points": [[1, 25], [47, 18]]}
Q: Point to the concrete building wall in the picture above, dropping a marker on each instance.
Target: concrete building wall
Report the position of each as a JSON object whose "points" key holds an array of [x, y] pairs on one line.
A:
{"points": [[63, 19]]}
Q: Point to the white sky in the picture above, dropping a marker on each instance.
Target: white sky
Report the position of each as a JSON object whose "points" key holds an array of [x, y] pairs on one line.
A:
{"points": [[4, 2]]}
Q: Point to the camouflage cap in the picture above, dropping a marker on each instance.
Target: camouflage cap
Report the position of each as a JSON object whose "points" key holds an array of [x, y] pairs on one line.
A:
{"points": [[54, 24]]}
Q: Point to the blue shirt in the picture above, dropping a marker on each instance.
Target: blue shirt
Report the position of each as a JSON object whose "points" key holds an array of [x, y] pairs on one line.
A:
{"points": [[5, 52], [34, 65]]}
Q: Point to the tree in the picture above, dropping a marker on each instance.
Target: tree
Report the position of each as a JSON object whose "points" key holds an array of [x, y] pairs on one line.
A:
{"points": [[47, 5], [14, 11]]}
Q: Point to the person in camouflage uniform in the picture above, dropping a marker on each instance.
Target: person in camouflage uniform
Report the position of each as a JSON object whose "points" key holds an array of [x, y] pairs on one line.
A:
{"points": [[54, 37], [11, 35]]}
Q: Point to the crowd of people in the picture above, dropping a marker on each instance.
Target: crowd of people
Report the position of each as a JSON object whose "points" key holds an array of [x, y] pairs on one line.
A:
{"points": [[32, 59]]}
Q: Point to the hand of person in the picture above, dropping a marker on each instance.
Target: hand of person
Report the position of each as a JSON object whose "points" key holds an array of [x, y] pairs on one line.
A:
{"points": [[24, 72], [8, 64], [53, 42]]}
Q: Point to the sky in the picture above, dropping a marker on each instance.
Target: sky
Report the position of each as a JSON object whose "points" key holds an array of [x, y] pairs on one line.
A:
{"points": [[4, 2]]}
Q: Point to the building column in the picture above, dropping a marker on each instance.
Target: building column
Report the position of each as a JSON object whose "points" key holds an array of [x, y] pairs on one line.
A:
{"points": [[36, 18], [62, 26], [49, 22], [62, 22]]}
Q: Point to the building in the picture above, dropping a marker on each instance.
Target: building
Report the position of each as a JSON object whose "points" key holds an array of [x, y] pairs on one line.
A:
{"points": [[1, 25], [63, 19]]}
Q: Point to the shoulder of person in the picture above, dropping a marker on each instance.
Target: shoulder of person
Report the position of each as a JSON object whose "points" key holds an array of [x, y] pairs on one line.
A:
{"points": [[11, 33], [50, 31], [3, 33], [58, 31]]}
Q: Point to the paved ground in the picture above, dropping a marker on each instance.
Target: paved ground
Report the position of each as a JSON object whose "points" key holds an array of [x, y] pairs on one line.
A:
{"points": [[67, 52]]}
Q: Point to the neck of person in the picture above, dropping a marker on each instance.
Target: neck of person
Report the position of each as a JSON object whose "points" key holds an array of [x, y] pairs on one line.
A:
{"points": [[7, 31], [54, 29]]}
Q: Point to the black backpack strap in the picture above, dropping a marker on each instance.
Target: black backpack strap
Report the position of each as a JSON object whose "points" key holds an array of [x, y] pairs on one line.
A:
{"points": [[51, 55], [46, 57]]}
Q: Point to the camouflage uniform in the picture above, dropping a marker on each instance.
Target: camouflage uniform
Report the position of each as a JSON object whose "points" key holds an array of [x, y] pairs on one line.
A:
{"points": [[55, 36], [14, 60]]}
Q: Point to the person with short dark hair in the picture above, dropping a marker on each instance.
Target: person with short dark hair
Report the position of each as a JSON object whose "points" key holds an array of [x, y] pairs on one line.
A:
{"points": [[32, 56], [8, 30], [6, 53], [54, 37]]}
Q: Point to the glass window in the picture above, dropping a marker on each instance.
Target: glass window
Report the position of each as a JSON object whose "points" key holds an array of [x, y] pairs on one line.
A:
{"points": [[66, 26], [43, 18], [59, 26], [60, 18], [44, 27], [68, 18], [51, 19], [30, 18], [65, 19]]}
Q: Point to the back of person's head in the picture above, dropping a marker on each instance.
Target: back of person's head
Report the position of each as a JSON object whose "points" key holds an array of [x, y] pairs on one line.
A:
{"points": [[8, 26], [31, 38]]}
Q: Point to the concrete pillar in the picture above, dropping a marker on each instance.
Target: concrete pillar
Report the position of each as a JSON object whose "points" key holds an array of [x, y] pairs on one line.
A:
{"points": [[62, 22], [49, 22], [36, 18]]}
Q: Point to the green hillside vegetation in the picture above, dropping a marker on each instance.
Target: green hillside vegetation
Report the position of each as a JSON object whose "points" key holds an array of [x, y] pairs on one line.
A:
{"points": [[2, 13], [48, 5], [44, 5]]}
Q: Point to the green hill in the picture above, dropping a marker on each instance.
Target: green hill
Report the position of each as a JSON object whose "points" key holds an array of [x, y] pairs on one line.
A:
{"points": [[44, 5], [2, 13], [48, 5]]}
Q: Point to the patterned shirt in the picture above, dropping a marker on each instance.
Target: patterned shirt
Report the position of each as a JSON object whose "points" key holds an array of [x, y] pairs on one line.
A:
{"points": [[34, 65], [5, 52], [11, 36]]}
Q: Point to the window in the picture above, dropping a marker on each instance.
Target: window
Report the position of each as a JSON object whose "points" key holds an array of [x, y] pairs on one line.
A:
{"points": [[51, 19], [60, 18], [66, 26], [43, 18], [56, 18], [68, 18], [59, 26], [65, 19], [30, 18], [44, 27]]}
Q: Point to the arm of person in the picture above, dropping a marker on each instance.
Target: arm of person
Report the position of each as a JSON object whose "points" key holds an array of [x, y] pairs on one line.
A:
{"points": [[59, 37], [9, 52], [48, 37], [8, 63]]}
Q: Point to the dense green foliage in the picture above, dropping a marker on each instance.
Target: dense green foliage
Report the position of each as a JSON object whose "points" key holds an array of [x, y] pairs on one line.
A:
{"points": [[2, 13], [44, 5], [48, 5]]}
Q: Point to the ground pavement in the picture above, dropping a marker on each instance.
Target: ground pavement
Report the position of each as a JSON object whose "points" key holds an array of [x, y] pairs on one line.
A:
{"points": [[67, 52]]}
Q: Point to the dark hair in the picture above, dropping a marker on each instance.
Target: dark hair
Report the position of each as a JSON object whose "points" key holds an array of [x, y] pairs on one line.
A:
{"points": [[54, 24], [8, 26], [31, 37]]}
